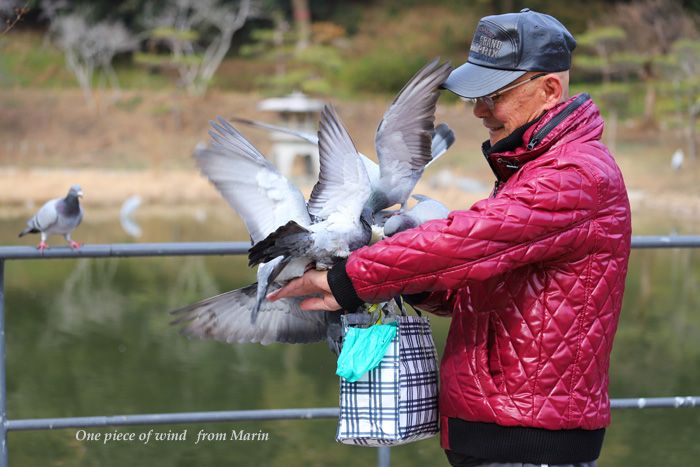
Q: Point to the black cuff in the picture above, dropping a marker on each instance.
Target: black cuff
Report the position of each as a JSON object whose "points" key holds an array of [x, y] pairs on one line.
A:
{"points": [[342, 288], [415, 299]]}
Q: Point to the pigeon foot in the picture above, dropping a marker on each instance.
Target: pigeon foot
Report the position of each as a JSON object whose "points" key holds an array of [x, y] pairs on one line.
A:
{"points": [[74, 245], [42, 246]]}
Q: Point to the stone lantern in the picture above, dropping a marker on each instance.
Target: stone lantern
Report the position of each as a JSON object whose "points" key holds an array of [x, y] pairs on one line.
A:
{"points": [[299, 112]]}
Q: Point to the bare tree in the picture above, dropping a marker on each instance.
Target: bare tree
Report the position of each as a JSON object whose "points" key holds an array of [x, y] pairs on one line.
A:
{"points": [[11, 11], [198, 34], [90, 47]]}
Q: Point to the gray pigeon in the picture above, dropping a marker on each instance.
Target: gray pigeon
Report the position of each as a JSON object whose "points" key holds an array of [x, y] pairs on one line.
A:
{"points": [[404, 137], [333, 223], [403, 144], [341, 222], [425, 210], [59, 216]]}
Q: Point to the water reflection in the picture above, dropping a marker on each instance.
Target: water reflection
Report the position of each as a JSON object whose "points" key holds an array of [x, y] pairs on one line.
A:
{"points": [[90, 337]]}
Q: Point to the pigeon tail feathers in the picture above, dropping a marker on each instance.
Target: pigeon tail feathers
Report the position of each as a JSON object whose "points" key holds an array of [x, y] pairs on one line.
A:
{"points": [[291, 239], [28, 230]]}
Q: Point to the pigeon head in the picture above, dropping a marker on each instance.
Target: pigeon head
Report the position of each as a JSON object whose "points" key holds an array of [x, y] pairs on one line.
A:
{"points": [[398, 223], [75, 192]]}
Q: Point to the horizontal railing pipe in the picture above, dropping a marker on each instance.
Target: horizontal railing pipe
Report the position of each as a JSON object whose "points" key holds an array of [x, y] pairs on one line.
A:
{"points": [[124, 250], [666, 241], [171, 418], [275, 414], [677, 402]]}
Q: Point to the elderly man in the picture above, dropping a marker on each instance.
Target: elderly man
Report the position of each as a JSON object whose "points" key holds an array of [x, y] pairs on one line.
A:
{"points": [[532, 276]]}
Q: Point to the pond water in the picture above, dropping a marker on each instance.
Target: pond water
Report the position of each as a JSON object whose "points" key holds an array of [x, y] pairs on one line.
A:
{"points": [[92, 337]]}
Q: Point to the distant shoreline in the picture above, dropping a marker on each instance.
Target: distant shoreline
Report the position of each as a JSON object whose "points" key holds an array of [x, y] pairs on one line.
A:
{"points": [[25, 190]]}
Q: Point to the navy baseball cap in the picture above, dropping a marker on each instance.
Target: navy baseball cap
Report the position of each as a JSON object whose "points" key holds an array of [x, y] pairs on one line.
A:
{"points": [[506, 47]]}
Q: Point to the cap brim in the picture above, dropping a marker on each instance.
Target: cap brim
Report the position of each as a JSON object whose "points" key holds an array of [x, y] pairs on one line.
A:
{"points": [[472, 81]]}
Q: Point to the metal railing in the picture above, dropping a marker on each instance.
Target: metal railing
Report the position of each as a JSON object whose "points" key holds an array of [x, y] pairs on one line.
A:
{"points": [[219, 249]]}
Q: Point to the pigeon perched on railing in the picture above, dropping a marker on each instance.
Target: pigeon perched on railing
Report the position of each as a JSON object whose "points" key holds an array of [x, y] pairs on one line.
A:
{"points": [[59, 216], [292, 236]]}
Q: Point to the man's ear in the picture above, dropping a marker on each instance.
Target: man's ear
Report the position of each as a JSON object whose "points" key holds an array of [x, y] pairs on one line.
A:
{"points": [[552, 89]]}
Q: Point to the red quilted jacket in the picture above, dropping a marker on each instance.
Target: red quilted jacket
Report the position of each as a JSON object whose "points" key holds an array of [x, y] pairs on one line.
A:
{"points": [[533, 279]]}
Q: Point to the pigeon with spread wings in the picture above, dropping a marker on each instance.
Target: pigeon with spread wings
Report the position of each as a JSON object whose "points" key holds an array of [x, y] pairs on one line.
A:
{"points": [[332, 225], [404, 137], [404, 145]]}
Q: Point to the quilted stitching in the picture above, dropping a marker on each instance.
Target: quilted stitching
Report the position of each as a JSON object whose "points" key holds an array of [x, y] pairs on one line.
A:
{"points": [[533, 278]]}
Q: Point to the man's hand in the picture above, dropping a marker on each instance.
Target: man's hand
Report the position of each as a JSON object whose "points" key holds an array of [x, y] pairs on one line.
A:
{"points": [[313, 282]]}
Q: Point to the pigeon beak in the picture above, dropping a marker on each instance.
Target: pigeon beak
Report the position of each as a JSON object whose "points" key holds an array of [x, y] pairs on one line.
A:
{"points": [[80, 194]]}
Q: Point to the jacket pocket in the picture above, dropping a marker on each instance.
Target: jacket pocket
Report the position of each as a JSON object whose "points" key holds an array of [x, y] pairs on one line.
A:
{"points": [[494, 358]]}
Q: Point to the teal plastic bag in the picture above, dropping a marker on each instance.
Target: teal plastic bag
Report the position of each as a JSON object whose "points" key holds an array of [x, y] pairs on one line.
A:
{"points": [[363, 350]]}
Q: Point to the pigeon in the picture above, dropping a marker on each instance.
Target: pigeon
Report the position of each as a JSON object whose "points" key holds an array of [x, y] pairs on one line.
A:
{"points": [[223, 318], [334, 222], [129, 225], [59, 216], [342, 222], [677, 160], [425, 210], [404, 137], [403, 144]]}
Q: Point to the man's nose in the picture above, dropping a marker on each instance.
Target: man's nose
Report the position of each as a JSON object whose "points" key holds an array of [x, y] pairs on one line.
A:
{"points": [[480, 109]]}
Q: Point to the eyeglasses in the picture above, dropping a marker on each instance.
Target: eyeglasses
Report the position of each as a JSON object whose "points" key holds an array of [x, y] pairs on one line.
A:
{"points": [[492, 99]]}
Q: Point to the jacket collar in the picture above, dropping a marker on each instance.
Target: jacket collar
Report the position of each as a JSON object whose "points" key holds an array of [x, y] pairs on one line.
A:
{"points": [[576, 116]]}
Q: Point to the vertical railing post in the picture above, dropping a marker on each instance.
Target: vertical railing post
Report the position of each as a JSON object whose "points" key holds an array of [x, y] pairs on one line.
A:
{"points": [[3, 392], [384, 456]]}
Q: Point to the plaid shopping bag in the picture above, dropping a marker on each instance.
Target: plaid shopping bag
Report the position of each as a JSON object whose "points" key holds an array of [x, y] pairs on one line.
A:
{"points": [[397, 402]]}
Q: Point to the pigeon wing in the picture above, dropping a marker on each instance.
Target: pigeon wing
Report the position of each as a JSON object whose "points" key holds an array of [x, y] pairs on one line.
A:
{"points": [[47, 216], [404, 136], [226, 317], [343, 183], [309, 137], [254, 188], [371, 166]]}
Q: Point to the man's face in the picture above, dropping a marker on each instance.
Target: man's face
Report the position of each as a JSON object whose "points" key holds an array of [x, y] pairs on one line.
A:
{"points": [[512, 109]]}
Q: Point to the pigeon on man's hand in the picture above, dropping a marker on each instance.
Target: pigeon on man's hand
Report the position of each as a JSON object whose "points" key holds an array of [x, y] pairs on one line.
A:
{"points": [[404, 148], [332, 224], [59, 216], [425, 210]]}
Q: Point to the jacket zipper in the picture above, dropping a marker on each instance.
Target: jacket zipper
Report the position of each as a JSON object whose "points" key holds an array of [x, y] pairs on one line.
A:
{"points": [[539, 136], [496, 186]]}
